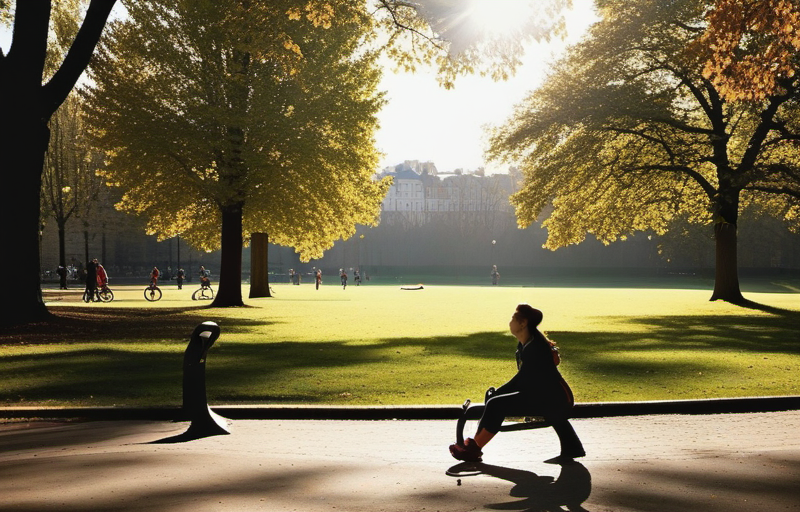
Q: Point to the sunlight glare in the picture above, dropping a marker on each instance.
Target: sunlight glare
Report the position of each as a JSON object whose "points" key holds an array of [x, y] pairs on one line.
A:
{"points": [[496, 17]]}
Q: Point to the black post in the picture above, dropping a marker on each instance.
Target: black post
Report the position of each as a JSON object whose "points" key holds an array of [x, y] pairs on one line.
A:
{"points": [[205, 422]]}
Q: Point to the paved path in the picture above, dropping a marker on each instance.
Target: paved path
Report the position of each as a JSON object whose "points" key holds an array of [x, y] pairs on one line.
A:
{"points": [[726, 462]]}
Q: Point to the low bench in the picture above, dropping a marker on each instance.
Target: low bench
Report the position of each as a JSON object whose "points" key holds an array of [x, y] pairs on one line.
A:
{"points": [[474, 412]]}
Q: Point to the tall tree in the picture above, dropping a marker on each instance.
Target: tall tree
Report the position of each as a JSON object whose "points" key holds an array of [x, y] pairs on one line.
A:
{"points": [[28, 104], [627, 134], [434, 29], [235, 114], [69, 183]]}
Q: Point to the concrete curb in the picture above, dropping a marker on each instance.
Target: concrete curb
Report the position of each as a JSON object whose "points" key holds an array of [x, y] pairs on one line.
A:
{"points": [[422, 412]]}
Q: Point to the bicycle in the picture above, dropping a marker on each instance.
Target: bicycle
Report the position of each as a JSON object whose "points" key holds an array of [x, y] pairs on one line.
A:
{"points": [[205, 292], [152, 293], [102, 294]]}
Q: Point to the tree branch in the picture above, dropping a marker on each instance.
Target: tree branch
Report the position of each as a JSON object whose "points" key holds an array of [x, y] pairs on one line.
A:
{"points": [[774, 190], [77, 59], [391, 7], [28, 49], [684, 127], [767, 123], [683, 169]]}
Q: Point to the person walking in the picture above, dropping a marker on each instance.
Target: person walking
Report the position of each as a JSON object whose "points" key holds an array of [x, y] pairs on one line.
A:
{"points": [[205, 277], [91, 280], [102, 275], [537, 389], [179, 276], [343, 277], [62, 277], [318, 277], [495, 275]]}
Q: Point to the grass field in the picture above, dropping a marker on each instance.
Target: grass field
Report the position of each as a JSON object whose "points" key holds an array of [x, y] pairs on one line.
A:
{"points": [[374, 345]]}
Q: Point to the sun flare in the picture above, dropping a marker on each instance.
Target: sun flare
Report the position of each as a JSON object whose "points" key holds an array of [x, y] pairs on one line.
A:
{"points": [[496, 17]]}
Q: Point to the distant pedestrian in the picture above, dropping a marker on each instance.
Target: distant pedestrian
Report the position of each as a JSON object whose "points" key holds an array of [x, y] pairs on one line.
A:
{"points": [[62, 276], [205, 277], [343, 277], [357, 277], [154, 277], [318, 277], [495, 275], [91, 279], [102, 276], [179, 278]]}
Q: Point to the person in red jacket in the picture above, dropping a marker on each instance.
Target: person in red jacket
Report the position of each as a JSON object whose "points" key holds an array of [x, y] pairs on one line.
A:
{"points": [[102, 276], [537, 389]]}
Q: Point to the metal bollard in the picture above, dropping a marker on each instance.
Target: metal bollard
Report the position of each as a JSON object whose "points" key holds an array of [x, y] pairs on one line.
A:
{"points": [[205, 422]]}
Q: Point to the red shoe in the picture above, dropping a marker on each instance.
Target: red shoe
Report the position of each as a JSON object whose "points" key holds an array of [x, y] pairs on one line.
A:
{"points": [[468, 452]]}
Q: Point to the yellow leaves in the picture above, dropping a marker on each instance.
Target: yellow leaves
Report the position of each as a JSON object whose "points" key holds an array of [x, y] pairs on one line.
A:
{"points": [[748, 46], [293, 47], [294, 13], [319, 14]]}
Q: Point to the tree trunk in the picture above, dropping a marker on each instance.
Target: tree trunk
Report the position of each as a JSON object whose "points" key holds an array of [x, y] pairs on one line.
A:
{"points": [[726, 279], [22, 150], [229, 293], [24, 137], [62, 250], [86, 242], [259, 265]]}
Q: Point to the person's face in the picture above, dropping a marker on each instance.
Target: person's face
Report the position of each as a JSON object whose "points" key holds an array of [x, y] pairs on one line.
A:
{"points": [[517, 324]]}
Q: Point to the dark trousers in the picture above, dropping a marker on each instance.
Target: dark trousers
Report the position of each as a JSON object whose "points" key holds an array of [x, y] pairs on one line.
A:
{"points": [[498, 407]]}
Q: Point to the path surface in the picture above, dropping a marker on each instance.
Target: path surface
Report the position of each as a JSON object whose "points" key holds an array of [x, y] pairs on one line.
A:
{"points": [[730, 462]]}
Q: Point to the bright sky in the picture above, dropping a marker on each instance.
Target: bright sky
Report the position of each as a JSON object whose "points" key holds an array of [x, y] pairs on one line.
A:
{"points": [[425, 122], [428, 123]]}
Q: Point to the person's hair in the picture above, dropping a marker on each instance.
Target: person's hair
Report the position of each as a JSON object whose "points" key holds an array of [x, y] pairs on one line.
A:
{"points": [[534, 318], [531, 314]]}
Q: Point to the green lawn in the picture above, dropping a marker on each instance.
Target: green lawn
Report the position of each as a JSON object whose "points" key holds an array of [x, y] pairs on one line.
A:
{"points": [[373, 345]]}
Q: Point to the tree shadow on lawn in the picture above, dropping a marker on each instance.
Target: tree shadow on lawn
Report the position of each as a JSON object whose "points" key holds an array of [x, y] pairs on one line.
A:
{"points": [[686, 356], [776, 333], [259, 371], [749, 304], [83, 325]]}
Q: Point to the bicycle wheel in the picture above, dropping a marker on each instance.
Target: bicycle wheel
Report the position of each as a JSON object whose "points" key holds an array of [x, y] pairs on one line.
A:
{"points": [[152, 293], [208, 293], [106, 295], [86, 296], [196, 293]]}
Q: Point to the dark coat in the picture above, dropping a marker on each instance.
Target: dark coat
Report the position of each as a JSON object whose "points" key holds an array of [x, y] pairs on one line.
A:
{"points": [[538, 379], [91, 275]]}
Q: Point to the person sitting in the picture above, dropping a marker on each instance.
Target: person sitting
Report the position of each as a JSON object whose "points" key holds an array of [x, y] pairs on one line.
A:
{"points": [[537, 389]]}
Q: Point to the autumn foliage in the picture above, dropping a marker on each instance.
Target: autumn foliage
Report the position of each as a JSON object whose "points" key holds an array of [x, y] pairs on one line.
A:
{"points": [[749, 46]]}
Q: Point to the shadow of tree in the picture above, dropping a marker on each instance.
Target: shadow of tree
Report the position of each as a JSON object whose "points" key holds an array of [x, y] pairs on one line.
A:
{"points": [[766, 482], [257, 371], [83, 325]]}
